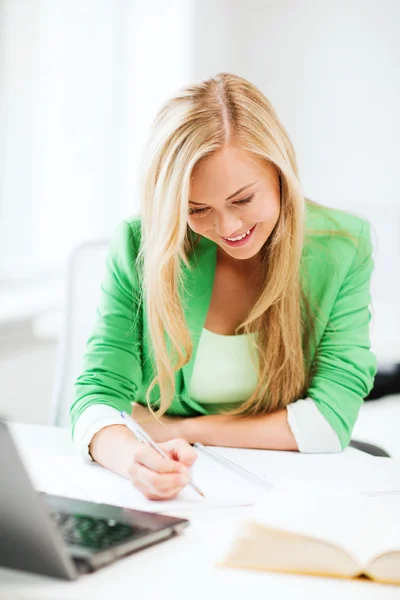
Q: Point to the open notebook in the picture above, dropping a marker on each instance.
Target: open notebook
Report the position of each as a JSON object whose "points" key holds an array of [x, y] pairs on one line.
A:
{"points": [[228, 476], [305, 528], [223, 482]]}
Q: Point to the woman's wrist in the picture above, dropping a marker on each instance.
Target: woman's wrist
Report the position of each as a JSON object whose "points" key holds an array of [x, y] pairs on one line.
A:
{"points": [[114, 447]]}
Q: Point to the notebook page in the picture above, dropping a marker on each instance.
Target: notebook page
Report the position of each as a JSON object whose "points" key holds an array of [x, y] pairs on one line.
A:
{"points": [[350, 470], [46, 477], [363, 526], [92, 482]]}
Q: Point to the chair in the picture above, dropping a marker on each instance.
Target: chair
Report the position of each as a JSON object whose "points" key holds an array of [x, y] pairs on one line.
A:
{"points": [[85, 271], [369, 448]]}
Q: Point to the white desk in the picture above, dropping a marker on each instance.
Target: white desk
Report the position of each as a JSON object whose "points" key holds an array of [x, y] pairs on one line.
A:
{"points": [[180, 569]]}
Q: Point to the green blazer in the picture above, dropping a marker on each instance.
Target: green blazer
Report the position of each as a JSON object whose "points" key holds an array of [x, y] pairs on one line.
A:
{"points": [[335, 271]]}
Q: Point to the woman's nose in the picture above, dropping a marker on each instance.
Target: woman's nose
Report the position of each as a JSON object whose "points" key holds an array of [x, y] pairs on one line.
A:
{"points": [[227, 225]]}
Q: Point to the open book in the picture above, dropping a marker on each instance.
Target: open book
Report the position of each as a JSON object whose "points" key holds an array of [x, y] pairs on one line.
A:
{"points": [[309, 529]]}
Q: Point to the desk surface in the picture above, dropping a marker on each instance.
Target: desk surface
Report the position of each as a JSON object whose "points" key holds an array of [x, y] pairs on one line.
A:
{"points": [[181, 568]]}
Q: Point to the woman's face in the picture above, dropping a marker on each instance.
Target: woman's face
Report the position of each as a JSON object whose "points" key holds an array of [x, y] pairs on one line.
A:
{"points": [[234, 195]]}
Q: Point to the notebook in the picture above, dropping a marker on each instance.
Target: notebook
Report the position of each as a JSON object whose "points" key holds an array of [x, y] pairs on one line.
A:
{"points": [[351, 470], [228, 476], [316, 530], [223, 483]]}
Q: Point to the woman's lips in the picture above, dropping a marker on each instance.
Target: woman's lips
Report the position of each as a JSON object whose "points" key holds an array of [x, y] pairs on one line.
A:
{"points": [[241, 242]]}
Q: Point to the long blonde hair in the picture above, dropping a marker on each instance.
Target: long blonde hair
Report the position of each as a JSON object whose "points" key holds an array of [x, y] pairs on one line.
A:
{"points": [[199, 120]]}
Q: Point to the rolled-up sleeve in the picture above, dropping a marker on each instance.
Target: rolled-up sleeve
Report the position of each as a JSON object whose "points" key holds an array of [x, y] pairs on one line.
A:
{"points": [[311, 430]]}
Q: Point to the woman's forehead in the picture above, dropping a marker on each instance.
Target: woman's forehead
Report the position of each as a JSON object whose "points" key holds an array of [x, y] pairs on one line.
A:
{"points": [[226, 171]]}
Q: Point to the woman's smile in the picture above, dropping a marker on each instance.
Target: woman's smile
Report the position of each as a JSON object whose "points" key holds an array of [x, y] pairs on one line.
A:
{"points": [[239, 240]]}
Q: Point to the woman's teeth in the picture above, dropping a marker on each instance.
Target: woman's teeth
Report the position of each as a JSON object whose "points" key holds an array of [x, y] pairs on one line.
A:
{"points": [[239, 237]]}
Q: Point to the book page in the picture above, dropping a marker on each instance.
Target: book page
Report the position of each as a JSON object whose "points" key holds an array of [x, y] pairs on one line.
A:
{"points": [[260, 547], [89, 481], [363, 526], [385, 568]]}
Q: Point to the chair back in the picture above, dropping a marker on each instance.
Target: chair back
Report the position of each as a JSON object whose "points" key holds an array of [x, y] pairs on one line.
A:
{"points": [[85, 271]]}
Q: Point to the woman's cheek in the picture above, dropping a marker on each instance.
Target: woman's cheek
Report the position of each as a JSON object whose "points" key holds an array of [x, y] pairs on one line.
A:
{"points": [[196, 224], [267, 214], [191, 224]]}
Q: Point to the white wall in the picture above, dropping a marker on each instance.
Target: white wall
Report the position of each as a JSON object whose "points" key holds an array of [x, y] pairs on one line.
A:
{"points": [[158, 51], [81, 81], [59, 157], [331, 70], [27, 379], [16, 123]]}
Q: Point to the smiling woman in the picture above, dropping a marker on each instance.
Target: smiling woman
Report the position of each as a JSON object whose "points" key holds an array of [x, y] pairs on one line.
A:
{"points": [[234, 308]]}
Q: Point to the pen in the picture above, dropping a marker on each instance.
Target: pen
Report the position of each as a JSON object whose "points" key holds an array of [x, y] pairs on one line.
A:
{"points": [[143, 436]]}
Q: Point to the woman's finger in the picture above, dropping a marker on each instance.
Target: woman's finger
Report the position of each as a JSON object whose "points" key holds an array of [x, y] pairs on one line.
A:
{"points": [[151, 495], [162, 481], [148, 457], [160, 484], [181, 451]]}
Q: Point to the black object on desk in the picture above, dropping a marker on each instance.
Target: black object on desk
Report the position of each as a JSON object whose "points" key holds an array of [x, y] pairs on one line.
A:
{"points": [[369, 448], [387, 382]]}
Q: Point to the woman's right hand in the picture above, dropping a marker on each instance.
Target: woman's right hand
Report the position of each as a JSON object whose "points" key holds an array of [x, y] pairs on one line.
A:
{"points": [[159, 478], [116, 448]]}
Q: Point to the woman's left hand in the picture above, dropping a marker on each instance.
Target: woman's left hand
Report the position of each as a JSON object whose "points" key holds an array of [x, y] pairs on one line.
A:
{"points": [[161, 429]]}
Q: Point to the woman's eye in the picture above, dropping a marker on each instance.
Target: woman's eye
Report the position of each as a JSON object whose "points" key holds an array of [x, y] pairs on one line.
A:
{"points": [[245, 200], [197, 211], [203, 211]]}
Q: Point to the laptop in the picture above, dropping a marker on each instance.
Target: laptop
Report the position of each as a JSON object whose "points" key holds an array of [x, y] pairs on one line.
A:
{"points": [[64, 537]]}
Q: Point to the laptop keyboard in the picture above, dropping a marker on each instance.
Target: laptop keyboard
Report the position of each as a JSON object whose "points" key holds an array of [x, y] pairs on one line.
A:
{"points": [[81, 530]]}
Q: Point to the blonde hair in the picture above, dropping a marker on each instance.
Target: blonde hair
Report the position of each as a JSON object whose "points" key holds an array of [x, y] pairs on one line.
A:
{"points": [[199, 120]]}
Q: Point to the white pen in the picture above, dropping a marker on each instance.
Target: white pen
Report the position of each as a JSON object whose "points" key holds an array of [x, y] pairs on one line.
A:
{"points": [[143, 436]]}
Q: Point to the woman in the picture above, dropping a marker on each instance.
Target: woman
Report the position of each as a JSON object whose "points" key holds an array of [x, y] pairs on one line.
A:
{"points": [[234, 309]]}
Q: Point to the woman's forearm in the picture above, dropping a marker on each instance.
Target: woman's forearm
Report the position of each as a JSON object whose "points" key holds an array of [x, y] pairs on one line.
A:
{"points": [[268, 432]]}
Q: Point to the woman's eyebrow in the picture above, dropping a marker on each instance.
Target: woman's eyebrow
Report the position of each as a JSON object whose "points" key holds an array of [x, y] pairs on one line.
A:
{"points": [[241, 190], [231, 196]]}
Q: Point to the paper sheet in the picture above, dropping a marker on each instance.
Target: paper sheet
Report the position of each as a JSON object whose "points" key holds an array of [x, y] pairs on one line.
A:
{"points": [[350, 470], [70, 476]]}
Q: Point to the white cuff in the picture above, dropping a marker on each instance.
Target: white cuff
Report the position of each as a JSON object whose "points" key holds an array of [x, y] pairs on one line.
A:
{"points": [[311, 430], [93, 419]]}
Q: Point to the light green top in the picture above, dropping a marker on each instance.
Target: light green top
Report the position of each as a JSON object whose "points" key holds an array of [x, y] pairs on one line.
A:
{"points": [[225, 370]]}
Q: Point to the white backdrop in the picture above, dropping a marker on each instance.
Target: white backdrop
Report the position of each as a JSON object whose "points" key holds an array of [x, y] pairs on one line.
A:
{"points": [[81, 80]]}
